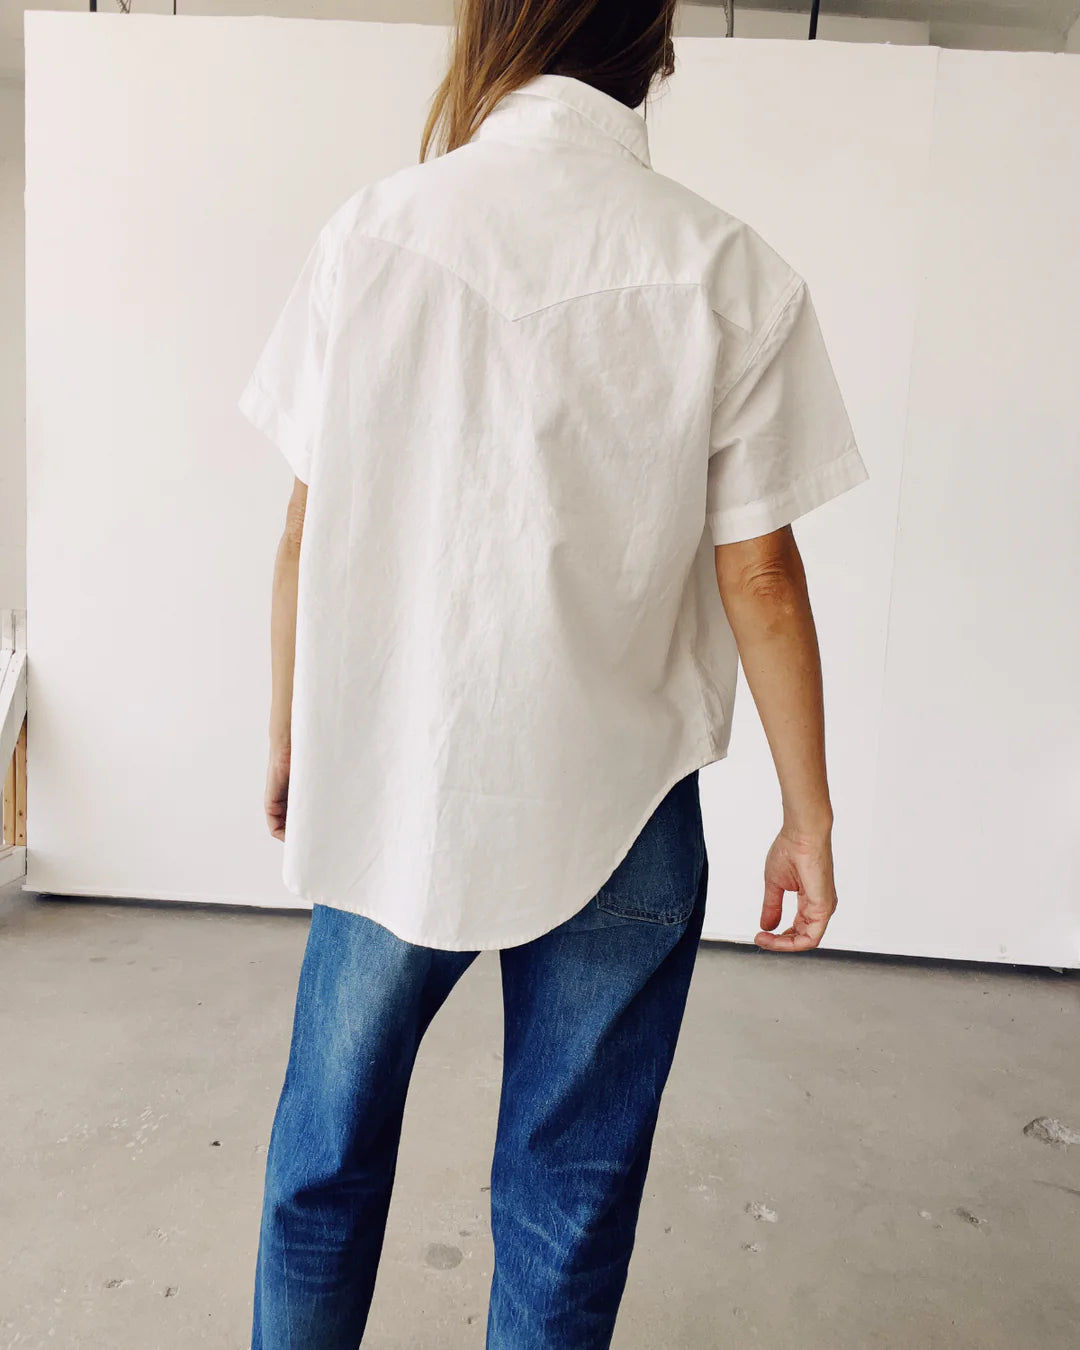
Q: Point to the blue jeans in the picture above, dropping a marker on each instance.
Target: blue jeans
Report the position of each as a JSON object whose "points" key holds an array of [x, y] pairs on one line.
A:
{"points": [[592, 1011]]}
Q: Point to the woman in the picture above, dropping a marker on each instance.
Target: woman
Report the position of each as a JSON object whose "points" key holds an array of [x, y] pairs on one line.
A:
{"points": [[550, 416]]}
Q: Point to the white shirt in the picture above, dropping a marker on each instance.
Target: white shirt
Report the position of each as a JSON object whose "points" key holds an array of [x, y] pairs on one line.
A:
{"points": [[530, 384]]}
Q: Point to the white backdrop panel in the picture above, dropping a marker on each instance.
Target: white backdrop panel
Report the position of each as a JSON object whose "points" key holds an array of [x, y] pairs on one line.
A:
{"points": [[177, 172], [976, 841], [824, 148]]}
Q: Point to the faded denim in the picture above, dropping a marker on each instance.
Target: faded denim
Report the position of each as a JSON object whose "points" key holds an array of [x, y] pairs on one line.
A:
{"points": [[592, 1013]]}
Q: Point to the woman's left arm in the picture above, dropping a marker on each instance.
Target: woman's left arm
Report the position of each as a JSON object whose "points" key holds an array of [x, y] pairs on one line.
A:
{"points": [[282, 656]]}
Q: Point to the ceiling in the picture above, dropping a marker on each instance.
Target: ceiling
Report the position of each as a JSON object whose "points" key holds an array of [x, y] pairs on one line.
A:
{"points": [[1039, 25]]}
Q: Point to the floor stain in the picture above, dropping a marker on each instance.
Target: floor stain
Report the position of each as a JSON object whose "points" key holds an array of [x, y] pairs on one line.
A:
{"points": [[1050, 1130], [441, 1256]]}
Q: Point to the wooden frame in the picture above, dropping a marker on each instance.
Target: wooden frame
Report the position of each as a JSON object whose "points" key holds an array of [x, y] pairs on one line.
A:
{"points": [[13, 743]]}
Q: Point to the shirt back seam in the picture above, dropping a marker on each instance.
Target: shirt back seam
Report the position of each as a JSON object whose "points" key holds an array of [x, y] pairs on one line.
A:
{"points": [[538, 309]]}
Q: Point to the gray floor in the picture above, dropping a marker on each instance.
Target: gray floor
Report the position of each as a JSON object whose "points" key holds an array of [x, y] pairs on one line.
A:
{"points": [[872, 1111]]}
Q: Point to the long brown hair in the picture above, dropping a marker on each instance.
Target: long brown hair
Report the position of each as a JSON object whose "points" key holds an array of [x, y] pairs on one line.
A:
{"points": [[618, 46]]}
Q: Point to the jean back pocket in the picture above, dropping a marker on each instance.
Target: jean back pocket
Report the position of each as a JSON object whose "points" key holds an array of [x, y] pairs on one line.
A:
{"points": [[658, 878]]}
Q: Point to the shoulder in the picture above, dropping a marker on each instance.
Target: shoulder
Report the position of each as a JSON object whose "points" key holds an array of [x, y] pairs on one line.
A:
{"points": [[385, 198], [748, 280]]}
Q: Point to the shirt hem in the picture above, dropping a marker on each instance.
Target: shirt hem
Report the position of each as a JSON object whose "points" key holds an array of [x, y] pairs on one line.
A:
{"points": [[704, 757]]}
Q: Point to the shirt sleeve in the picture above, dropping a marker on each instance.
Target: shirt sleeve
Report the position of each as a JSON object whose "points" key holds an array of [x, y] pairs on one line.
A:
{"points": [[284, 393], [781, 441]]}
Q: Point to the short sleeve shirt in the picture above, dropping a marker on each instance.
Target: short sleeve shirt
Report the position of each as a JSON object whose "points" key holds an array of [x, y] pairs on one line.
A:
{"points": [[530, 385]]}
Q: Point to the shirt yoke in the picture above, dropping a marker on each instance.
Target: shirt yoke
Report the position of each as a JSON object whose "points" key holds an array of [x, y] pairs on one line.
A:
{"points": [[527, 227]]}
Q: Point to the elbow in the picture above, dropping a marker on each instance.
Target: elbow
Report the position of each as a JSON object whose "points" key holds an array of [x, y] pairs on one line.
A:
{"points": [[773, 586], [766, 571]]}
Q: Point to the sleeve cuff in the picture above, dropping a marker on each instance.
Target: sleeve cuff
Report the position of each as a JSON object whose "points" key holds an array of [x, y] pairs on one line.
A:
{"points": [[781, 508], [265, 415]]}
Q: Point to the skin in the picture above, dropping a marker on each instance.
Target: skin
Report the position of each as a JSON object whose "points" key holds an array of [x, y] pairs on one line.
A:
{"points": [[763, 588], [282, 655]]}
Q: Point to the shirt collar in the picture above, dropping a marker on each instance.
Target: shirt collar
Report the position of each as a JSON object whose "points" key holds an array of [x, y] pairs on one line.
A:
{"points": [[567, 109]]}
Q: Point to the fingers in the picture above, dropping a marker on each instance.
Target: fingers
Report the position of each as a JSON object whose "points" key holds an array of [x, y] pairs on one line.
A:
{"points": [[772, 910], [791, 939], [276, 799], [275, 819], [804, 934]]}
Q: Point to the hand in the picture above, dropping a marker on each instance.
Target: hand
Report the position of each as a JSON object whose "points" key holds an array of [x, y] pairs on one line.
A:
{"points": [[801, 863], [277, 790]]}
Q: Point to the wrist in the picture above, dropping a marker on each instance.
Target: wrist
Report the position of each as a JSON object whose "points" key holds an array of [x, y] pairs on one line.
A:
{"points": [[814, 824]]}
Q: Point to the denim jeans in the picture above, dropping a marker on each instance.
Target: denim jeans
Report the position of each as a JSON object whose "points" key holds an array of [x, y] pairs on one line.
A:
{"points": [[592, 1011]]}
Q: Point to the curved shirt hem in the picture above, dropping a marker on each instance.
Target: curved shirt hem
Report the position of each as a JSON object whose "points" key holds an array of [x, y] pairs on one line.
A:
{"points": [[699, 761]]}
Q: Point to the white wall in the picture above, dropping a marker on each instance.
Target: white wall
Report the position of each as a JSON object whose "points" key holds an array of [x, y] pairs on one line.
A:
{"points": [[823, 148], [154, 508], [693, 19], [699, 20], [930, 203], [12, 352], [978, 776]]}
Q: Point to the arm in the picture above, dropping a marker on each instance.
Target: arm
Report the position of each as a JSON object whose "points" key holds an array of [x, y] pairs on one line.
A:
{"points": [[763, 589], [282, 654]]}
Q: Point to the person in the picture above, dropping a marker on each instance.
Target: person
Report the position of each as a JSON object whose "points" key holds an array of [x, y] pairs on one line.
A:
{"points": [[550, 416]]}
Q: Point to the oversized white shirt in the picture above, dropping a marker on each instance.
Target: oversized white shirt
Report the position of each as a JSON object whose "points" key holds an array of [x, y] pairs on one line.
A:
{"points": [[530, 384]]}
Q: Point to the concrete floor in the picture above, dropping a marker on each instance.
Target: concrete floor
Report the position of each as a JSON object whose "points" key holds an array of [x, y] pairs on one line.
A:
{"points": [[874, 1108]]}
